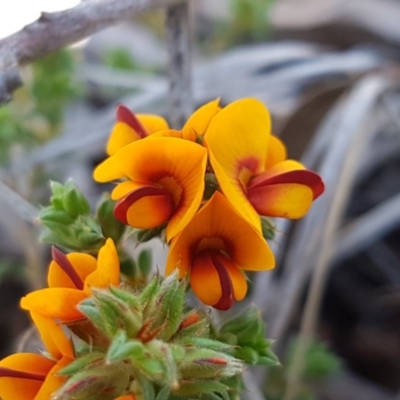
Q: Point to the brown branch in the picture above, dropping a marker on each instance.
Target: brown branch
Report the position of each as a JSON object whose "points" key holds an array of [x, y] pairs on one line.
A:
{"points": [[53, 31], [179, 68]]}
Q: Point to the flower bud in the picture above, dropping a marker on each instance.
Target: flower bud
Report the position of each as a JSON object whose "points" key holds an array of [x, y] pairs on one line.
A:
{"points": [[105, 381], [110, 226]]}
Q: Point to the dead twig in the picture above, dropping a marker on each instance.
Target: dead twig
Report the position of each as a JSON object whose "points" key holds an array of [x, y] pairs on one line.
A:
{"points": [[53, 31]]}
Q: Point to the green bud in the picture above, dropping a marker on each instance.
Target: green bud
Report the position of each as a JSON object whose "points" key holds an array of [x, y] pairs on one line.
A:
{"points": [[50, 214], [209, 364], [106, 382], [144, 235], [122, 348], [75, 202], [199, 387], [211, 185], [81, 363], [145, 262], [169, 312], [110, 226], [89, 308], [117, 314], [268, 228]]}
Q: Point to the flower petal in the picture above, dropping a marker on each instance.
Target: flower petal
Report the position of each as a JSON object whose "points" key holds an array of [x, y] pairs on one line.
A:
{"points": [[109, 170], [289, 172], [237, 139], [53, 381], [285, 200], [145, 208], [276, 152], [199, 121], [121, 135], [53, 336], [83, 264], [205, 280], [108, 268], [12, 388], [217, 219], [58, 303], [124, 188]]}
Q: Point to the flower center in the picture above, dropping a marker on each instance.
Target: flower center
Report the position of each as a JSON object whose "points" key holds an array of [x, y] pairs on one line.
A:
{"points": [[172, 185]]}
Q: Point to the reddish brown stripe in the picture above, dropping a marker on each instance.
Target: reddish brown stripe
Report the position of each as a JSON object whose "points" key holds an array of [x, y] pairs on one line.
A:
{"points": [[61, 259], [122, 206], [11, 373], [226, 301], [301, 176], [128, 117]]}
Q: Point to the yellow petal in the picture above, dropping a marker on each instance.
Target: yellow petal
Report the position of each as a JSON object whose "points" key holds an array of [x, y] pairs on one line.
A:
{"points": [[285, 200], [237, 139], [218, 219], [53, 336], [145, 208], [83, 264], [287, 172], [199, 121], [121, 135], [216, 280], [53, 381], [108, 268], [152, 123], [58, 303], [276, 152], [204, 279], [131, 127], [109, 170], [14, 388], [124, 188]]}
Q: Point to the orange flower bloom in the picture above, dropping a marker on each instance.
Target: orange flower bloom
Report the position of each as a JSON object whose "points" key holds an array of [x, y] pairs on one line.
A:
{"points": [[251, 167], [130, 127], [70, 280], [214, 248], [30, 376], [166, 182], [196, 125]]}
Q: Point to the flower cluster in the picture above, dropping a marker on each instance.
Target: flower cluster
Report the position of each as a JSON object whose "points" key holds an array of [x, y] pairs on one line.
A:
{"points": [[209, 185]]}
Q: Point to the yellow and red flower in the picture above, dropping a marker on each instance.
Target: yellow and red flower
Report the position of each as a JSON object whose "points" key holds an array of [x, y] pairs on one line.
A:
{"points": [[131, 127], [251, 166], [214, 248], [70, 280], [166, 182], [30, 376]]}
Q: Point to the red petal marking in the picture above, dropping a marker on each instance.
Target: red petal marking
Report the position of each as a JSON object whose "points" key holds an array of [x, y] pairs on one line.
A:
{"points": [[122, 206], [247, 167], [12, 373], [128, 117], [227, 300], [301, 176], [61, 259]]}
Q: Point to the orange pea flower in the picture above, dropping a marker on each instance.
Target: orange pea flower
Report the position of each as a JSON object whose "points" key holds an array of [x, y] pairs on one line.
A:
{"points": [[197, 124], [31, 376], [130, 127], [166, 182], [70, 280], [251, 166], [214, 248]]}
